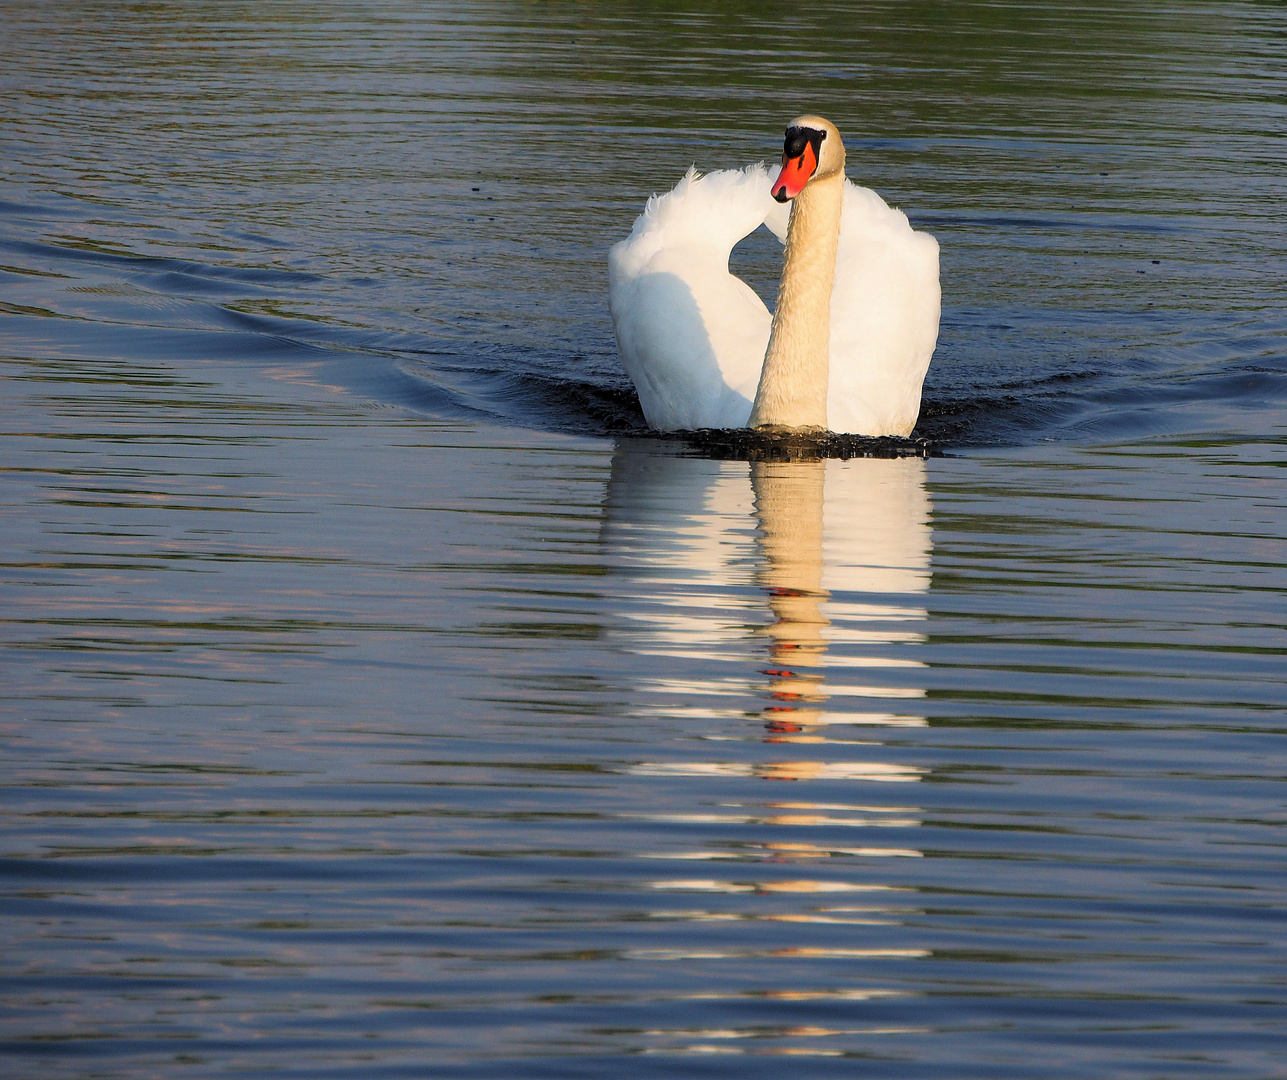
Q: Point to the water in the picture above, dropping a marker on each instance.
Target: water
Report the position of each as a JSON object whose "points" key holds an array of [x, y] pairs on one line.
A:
{"points": [[379, 700]]}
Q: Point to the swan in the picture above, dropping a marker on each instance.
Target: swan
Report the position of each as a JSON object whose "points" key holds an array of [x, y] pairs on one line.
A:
{"points": [[857, 311]]}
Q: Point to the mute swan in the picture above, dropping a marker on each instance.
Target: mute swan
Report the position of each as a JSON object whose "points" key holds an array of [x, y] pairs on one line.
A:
{"points": [[857, 310]]}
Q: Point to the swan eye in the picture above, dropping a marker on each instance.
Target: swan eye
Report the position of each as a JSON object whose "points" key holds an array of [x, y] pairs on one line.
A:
{"points": [[797, 138]]}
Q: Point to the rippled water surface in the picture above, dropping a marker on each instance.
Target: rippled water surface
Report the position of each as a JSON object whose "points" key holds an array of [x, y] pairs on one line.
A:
{"points": [[381, 700]]}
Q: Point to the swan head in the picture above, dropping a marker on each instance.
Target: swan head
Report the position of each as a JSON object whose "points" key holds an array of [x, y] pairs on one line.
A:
{"points": [[812, 148]]}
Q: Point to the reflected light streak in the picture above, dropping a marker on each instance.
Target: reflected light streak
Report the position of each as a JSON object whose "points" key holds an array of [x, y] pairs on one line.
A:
{"points": [[879, 771], [794, 953], [849, 994], [797, 886]]}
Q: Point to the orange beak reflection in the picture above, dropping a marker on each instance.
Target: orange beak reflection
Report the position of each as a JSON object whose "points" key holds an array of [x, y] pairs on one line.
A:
{"points": [[795, 174]]}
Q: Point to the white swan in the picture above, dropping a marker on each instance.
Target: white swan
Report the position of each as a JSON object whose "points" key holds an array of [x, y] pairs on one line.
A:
{"points": [[857, 311]]}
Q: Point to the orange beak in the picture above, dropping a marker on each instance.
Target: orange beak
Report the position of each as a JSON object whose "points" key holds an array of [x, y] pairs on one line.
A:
{"points": [[795, 174]]}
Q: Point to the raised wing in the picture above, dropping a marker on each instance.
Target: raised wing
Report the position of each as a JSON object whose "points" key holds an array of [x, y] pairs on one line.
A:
{"points": [[884, 318], [691, 335]]}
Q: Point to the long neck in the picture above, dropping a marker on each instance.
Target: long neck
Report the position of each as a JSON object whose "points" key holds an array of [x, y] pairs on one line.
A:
{"points": [[793, 381]]}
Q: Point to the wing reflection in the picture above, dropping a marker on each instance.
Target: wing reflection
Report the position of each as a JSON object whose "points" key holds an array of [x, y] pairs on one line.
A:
{"points": [[685, 529]]}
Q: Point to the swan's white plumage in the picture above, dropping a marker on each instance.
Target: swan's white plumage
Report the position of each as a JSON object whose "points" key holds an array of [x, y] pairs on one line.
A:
{"points": [[692, 336]]}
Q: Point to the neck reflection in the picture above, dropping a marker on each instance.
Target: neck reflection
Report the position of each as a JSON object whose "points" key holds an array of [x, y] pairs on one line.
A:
{"points": [[788, 499]]}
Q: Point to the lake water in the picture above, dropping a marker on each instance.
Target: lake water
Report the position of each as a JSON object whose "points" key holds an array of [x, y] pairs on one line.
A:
{"points": [[381, 700]]}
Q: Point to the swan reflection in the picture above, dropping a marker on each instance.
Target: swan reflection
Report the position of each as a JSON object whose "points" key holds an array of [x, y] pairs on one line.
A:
{"points": [[835, 553], [778, 603]]}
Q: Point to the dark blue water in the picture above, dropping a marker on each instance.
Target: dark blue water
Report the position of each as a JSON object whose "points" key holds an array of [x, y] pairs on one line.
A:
{"points": [[380, 700]]}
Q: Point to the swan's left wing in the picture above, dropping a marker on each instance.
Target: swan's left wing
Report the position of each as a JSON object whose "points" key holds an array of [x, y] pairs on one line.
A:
{"points": [[884, 318]]}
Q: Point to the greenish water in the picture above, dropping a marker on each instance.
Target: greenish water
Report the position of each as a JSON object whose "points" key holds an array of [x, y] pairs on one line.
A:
{"points": [[380, 700]]}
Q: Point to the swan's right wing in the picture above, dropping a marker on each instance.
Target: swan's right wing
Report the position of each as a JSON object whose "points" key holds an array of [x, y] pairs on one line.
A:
{"points": [[667, 337]]}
